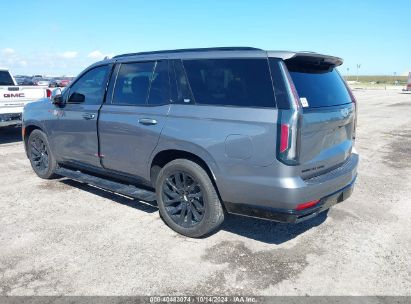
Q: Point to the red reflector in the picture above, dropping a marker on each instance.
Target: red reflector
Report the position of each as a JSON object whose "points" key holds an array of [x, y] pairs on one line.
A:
{"points": [[284, 138], [306, 205], [48, 92]]}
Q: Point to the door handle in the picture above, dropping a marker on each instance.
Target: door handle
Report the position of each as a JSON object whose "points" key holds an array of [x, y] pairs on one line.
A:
{"points": [[88, 116], [147, 121]]}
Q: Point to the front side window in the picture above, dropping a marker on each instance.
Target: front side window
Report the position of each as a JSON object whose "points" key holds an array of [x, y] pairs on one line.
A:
{"points": [[90, 87], [232, 82]]}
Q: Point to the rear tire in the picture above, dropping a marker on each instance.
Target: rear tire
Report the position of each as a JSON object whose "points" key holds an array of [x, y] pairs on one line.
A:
{"points": [[187, 199], [41, 159]]}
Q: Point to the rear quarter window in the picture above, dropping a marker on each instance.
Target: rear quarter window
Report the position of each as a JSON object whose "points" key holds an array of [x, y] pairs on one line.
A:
{"points": [[320, 87], [231, 82], [5, 79]]}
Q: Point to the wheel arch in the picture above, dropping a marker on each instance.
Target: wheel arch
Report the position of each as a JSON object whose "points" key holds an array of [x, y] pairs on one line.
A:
{"points": [[27, 130], [163, 157]]}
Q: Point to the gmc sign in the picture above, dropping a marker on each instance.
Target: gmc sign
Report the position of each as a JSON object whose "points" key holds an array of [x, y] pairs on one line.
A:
{"points": [[13, 95]]}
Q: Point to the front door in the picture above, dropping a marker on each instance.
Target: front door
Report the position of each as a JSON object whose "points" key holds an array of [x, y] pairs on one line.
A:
{"points": [[75, 136]]}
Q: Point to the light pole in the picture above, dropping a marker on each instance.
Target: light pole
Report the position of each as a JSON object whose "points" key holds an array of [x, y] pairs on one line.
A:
{"points": [[348, 73], [358, 67], [395, 74]]}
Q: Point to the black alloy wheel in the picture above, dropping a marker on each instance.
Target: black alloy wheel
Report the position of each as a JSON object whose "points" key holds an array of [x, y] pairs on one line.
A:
{"points": [[39, 155], [183, 199]]}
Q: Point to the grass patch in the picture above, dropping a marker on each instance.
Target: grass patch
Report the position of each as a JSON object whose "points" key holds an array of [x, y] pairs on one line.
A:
{"points": [[378, 79]]}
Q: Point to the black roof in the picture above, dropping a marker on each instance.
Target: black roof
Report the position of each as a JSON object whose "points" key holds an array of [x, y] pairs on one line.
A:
{"points": [[240, 48]]}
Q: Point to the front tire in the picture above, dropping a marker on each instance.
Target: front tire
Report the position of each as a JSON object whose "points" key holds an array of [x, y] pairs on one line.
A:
{"points": [[41, 158], [187, 199]]}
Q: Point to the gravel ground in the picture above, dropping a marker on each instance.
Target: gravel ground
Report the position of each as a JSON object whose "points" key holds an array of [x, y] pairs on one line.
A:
{"points": [[65, 238]]}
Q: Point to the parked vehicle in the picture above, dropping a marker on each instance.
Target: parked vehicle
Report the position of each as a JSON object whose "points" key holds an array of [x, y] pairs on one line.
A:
{"points": [[24, 81], [59, 82], [13, 98], [19, 79], [54, 83], [267, 134], [64, 82], [41, 81]]}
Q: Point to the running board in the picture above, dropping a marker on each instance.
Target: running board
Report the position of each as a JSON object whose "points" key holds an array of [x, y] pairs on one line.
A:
{"points": [[124, 189]]}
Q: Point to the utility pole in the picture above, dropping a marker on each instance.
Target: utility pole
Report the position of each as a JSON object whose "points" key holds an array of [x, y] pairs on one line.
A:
{"points": [[358, 67]]}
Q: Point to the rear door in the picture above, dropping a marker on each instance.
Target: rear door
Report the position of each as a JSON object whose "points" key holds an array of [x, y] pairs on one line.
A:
{"points": [[327, 124], [75, 136], [130, 122]]}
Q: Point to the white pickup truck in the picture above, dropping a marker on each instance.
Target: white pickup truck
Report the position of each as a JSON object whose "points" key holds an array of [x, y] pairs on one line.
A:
{"points": [[13, 98]]}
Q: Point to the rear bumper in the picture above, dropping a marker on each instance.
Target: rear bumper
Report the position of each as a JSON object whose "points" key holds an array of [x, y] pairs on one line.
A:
{"points": [[10, 119], [266, 190], [291, 215]]}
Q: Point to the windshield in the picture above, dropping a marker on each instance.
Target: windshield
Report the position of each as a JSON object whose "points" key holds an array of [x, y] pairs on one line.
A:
{"points": [[5, 79]]}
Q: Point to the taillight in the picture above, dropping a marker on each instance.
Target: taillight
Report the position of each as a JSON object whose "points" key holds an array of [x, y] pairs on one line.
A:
{"points": [[284, 138], [288, 137], [307, 205], [48, 93], [289, 122]]}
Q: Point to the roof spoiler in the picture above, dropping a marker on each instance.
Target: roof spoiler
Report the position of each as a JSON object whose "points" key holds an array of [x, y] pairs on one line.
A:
{"points": [[306, 57], [315, 59]]}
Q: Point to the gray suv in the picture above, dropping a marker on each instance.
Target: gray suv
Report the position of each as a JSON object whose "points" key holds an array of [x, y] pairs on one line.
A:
{"points": [[204, 132]]}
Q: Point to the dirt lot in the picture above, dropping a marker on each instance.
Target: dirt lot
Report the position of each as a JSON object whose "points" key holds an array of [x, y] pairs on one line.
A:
{"points": [[65, 238]]}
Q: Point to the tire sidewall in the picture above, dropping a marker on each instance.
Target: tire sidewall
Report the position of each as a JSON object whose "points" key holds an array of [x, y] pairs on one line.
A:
{"points": [[52, 164], [194, 171]]}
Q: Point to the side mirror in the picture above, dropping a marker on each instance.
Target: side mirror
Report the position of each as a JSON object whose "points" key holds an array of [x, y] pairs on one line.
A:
{"points": [[57, 100], [77, 98], [56, 97]]}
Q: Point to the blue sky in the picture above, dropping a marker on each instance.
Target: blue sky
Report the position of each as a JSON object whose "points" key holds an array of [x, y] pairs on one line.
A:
{"points": [[52, 37]]}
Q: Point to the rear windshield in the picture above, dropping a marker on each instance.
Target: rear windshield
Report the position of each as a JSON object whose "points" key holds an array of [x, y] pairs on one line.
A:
{"points": [[5, 79], [319, 87], [231, 82]]}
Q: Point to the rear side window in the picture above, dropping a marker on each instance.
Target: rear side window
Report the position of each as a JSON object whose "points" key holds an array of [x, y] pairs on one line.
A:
{"points": [[180, 87], [142, 83], [160, 85], [320, 87], [231, 82], [5, 79], [133, 83], [280, 90]]}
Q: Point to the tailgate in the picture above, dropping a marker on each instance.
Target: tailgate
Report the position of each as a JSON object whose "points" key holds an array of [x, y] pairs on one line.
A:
{"points": [[326, 139], [328, 116], [18, 96]]}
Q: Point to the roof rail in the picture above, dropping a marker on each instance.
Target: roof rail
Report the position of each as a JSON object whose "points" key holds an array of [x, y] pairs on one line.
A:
{"points": [[240, 48]]}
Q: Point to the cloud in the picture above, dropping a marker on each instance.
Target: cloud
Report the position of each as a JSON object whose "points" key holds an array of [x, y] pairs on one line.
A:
{"points": [[98, 55], [69, 62], [69, 54], [7, 51]]}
